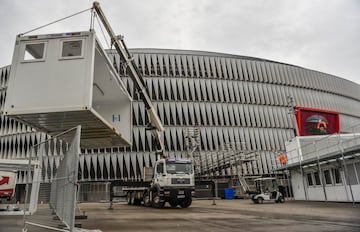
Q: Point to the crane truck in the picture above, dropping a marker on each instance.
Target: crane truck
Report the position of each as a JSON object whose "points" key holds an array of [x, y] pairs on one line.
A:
{"points": [[170, 180]]}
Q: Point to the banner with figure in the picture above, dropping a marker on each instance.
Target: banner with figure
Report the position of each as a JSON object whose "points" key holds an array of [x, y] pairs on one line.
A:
{"points": [[317, 121]]}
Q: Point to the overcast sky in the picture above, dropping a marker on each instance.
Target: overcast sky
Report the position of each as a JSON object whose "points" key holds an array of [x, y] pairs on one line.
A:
{"points": [[322, 35]]}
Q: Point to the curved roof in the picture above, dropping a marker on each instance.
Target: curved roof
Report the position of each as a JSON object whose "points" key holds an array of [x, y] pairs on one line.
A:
{"points": [[218, 54]]}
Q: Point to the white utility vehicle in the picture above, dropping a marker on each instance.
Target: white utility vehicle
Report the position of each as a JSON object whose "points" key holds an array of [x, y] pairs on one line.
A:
{"points": [[267, 190]]}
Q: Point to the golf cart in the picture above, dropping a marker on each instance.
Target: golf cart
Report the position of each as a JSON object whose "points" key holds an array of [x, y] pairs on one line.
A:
{"points": [[267, 190]]}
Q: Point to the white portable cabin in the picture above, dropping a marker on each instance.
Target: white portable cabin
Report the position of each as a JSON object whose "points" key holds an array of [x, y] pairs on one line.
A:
{"points": [[325, 167], [59, 81]]}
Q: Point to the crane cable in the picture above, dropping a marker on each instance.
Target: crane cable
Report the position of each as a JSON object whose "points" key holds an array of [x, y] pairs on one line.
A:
{"points": [[55, 21], [102, 31]]}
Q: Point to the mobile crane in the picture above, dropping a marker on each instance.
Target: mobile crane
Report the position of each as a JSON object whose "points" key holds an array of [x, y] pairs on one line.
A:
{"points": [[171, 180]]}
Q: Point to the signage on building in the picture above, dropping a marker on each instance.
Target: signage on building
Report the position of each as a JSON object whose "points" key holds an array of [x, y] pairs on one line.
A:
{"points": [[317, 121]]}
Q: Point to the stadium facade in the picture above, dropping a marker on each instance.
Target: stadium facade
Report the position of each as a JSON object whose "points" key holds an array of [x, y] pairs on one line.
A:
{"points": [[236, 100]]}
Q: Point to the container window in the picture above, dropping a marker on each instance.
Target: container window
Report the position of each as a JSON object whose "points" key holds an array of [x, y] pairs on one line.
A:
{"points": [[317, 178], [336, 176], [34, 52], [327, 177], [309, 179], [71, 49], [160, 168], [352, 180], [357, 166]]}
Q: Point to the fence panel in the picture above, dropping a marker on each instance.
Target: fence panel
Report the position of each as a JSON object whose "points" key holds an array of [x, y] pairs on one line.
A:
{"points": [[53, 196]]}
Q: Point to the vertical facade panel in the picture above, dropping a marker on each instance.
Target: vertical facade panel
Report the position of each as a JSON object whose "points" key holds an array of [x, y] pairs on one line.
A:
{"points": [[213, 67], [237, 115], [234, 69], [215, 91], [209, 90], [231, 115], [191, 65], [249, 70], [196, 65], [240, 70], [229, 69], [246, 92], [202, 67], [219, 72], [230, 88], [162, 68], [236, 91], [226, 91], [226, 114], [224, 68], [254, 71], [220, 90], [207, 67], [172, 65], [244, 70]]}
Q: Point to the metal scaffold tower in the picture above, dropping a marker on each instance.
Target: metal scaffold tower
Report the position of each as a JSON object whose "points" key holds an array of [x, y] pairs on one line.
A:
{"points": [[192, 144], [233, 162]]}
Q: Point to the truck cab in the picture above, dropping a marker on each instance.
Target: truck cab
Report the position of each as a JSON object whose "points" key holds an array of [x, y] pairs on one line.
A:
{"points": [[173, 182]]}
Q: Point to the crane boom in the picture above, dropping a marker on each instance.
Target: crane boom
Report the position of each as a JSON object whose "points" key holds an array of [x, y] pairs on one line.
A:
{"points": [[135, 75]]}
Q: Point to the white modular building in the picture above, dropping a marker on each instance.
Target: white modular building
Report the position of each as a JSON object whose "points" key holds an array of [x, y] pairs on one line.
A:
{"points": [[325, 168], [59, 81]]}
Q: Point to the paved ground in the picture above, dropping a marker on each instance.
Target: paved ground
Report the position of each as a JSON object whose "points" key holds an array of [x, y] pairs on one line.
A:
{"points": [[226, 215]]}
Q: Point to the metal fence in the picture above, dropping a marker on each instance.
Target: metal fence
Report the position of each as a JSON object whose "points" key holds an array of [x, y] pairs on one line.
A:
{"points": [[52, 199]]}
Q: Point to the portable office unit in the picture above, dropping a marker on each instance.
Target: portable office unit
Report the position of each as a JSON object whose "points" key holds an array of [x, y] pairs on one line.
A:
{"points": [[59, 81]]}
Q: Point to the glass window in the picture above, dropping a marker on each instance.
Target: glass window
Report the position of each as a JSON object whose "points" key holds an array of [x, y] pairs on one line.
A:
{"points": [[317, 178], [71, 48], [357, 166], [309, 179], [173, 168], [352, 180], [160, 168], [34, 52], [327, 177], [336, 176]]}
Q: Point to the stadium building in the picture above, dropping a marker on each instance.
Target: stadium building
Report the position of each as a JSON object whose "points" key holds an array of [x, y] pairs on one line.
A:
{"points": [[237, 103]]}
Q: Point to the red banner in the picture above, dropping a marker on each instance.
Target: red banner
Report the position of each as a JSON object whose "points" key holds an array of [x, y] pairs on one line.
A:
{"points": [[6, 192], [316, 121]]}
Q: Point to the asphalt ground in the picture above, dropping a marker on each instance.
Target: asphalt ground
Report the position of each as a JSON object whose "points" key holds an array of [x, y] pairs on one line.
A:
{"points": [[226, 215]]}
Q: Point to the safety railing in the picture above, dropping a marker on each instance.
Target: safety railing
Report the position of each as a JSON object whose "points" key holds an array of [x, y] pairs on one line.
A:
{"points": [[307, 148]]}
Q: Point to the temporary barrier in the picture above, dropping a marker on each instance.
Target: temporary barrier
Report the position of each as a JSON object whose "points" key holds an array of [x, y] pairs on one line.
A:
{"points": [[59, 194]]}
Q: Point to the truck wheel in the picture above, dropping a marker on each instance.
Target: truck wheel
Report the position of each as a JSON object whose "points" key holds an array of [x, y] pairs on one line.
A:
{"points": [[186, 203], [136, 200], [128, 198], [281, 200], [146, 199], [260, 200], [157, 201], [173, 203]]}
